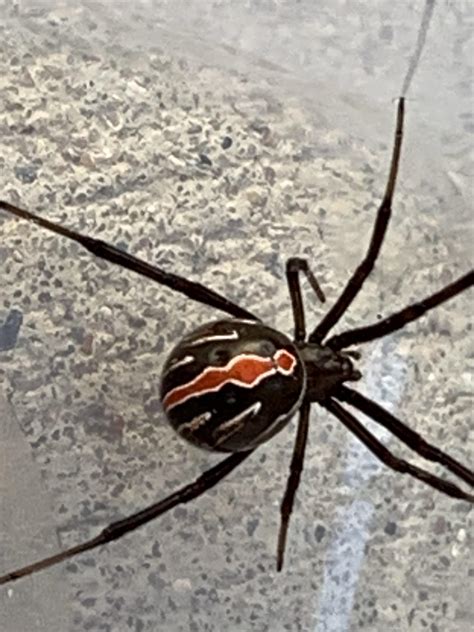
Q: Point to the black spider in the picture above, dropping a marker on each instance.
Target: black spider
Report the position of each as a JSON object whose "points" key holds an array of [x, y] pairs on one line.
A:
{"points": [[234, 383]]}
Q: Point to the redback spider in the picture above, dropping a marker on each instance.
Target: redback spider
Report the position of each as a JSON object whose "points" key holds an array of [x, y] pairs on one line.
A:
{"points": [[233, 384]]}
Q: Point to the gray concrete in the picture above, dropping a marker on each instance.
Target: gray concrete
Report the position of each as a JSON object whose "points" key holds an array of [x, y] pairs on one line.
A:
{"points": [[104, 112]]}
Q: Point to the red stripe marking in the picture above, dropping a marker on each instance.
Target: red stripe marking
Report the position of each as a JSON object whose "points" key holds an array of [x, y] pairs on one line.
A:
{"points": [[244, 370]]}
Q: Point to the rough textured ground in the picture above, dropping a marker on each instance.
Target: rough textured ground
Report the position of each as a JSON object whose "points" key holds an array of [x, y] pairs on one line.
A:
{"points": [[218, 161]]}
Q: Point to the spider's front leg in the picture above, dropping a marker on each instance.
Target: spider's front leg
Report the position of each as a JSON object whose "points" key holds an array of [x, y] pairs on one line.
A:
{"points": [[193, 290], [294, 266], [366, 266]]}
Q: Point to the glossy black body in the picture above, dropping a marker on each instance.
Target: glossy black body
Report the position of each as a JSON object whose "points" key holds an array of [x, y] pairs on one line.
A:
{"points": [[326, 370], [233, 415]]}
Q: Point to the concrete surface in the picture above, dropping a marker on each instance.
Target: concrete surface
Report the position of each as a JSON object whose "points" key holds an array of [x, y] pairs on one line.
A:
{"points": [[105, 116]]}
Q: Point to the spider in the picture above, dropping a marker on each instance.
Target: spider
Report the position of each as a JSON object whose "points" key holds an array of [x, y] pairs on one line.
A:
{"points": [[232, 384]]}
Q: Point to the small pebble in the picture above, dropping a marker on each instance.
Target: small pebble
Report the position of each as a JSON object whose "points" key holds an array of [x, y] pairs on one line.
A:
{"points": [[205, 160]]}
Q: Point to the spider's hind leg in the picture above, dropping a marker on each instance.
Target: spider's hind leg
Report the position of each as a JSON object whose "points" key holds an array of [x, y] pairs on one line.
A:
{"points": [[390, 460], [296, 468], [408, 436], [118, 529]]}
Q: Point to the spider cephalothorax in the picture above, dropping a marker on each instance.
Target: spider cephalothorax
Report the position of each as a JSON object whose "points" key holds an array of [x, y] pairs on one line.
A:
{"points": [[326, 370], [232, 384]]}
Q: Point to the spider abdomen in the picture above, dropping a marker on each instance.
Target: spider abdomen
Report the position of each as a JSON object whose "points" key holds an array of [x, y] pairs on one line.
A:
{"points": [[232, 384]]}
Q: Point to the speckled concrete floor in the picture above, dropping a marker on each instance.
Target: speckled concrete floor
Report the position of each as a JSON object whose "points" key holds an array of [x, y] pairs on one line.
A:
{"points": [[117, 123]]}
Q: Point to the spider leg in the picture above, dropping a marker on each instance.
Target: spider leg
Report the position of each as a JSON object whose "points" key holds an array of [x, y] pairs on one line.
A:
{"points": [[101, 249], [365, 267], [404, 433], [400, 319], [116, 530], [393, 462], [293, 482], [293, 267], [420, 44]]}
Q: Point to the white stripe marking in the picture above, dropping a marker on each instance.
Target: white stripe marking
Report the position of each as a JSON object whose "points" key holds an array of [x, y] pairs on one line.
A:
{"points": [[196, 422], [231, 426], [200, 341], [176, 363]]}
